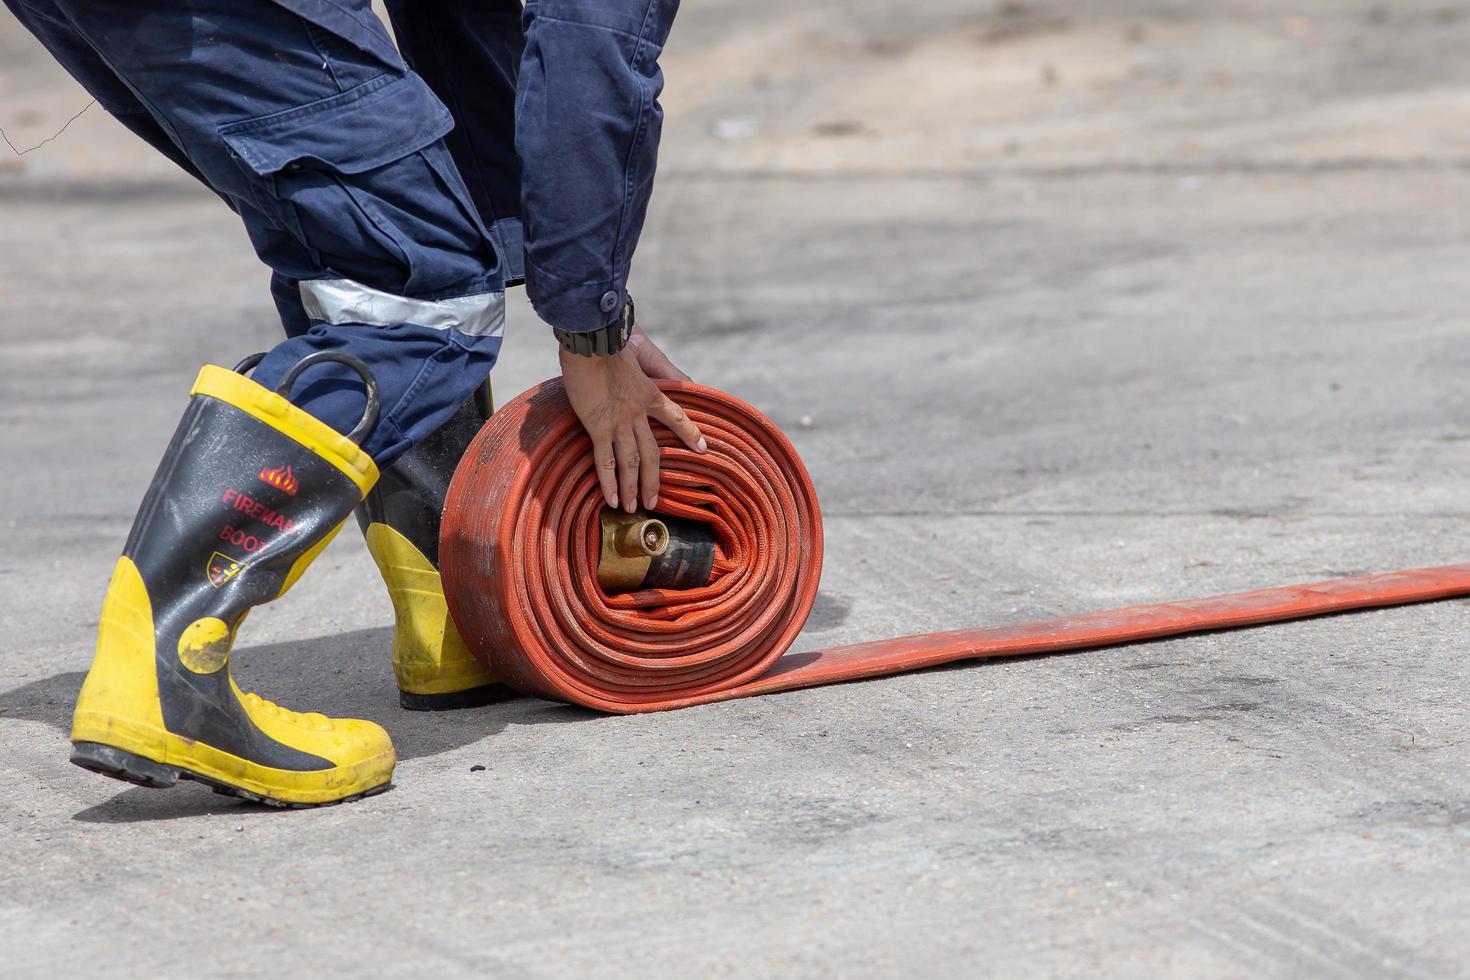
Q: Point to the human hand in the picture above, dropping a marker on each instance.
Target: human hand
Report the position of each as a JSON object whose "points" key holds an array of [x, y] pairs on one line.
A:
{"points": [[614, 397]]}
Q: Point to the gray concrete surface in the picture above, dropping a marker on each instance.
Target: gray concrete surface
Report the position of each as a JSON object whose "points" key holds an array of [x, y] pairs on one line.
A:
{"points": [[1091, 303]]}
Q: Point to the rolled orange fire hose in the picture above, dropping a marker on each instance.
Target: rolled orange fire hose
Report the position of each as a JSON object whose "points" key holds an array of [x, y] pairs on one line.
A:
{"points": [[519, 552]]}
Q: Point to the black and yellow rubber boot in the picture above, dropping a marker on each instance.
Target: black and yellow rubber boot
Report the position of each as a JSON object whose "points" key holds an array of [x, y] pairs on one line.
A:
{"points": [[400, 520], [249, 492]]}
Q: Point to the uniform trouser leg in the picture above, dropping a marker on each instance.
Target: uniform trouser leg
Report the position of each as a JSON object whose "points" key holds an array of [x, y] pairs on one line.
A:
{"points": [[305, 119], [469, 53]]}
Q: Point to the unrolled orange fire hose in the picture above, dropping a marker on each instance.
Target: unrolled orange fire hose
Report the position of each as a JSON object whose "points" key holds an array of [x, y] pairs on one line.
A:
{"points": [[519, 551]]}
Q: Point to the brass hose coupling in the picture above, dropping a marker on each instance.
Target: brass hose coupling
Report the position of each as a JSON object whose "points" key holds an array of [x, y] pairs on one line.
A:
{"points": [[640, 551]]}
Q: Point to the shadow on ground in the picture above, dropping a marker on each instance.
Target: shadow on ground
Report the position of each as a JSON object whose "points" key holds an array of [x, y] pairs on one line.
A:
{"points": [[346, 675]]}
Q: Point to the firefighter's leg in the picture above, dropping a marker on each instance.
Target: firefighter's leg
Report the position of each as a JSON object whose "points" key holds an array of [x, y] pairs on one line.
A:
{"points": [[332, 153], [400, 520]]}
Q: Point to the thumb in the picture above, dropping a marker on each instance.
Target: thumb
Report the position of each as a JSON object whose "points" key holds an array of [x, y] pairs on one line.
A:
{"points": [[654, 362]]}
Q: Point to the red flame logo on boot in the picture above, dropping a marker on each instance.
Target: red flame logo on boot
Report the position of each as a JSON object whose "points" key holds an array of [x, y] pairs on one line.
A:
{"points": [[281, 478]]}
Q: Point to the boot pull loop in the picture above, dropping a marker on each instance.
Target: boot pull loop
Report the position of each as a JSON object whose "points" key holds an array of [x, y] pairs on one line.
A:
{"points": [[248, 365], [370, 385]]}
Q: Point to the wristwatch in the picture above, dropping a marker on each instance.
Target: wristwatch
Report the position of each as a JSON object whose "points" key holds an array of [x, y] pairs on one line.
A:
{"points": [[601, 342]]}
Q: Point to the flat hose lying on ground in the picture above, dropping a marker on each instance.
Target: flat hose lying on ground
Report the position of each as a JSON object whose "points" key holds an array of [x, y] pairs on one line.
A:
{"points": [[519, 552]]}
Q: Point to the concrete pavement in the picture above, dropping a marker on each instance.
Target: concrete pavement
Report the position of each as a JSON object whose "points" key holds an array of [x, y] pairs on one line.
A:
{"points": [[1086, 304]]}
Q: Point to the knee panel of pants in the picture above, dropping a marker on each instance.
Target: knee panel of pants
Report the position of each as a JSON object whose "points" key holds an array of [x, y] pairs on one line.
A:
{"points": [[364, 182]]}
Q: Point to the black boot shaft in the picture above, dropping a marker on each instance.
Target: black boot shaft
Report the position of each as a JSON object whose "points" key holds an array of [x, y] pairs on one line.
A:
{"points": [[409, 496]]}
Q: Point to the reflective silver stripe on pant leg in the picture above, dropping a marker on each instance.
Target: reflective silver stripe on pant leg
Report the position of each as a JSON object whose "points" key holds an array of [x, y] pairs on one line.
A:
{"points": [[346, 301]]}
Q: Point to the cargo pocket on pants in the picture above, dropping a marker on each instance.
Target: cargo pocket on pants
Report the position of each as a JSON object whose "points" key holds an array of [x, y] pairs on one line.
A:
{"points": [[325, 172]]}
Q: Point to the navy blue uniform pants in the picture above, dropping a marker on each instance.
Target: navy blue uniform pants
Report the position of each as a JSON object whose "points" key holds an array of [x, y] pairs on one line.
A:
{"points": [[390, 231]]}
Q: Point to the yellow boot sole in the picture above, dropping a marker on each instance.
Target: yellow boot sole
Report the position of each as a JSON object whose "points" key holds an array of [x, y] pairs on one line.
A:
{"points": [[132, 768]]}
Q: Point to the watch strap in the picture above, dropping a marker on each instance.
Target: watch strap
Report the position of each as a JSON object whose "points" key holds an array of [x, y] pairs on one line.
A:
{"points": [[603, 341]]}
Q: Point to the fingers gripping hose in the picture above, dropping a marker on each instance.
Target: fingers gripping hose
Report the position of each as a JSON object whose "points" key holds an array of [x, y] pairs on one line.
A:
{"points": [[520, 543], [521, 540]]}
